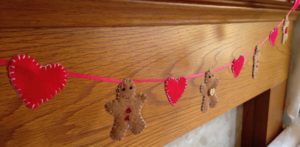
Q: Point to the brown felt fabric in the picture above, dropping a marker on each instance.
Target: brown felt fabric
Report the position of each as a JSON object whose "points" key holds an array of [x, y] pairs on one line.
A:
{"points": [[255, 62], [126, 110], [208, 100], [285, 33]]}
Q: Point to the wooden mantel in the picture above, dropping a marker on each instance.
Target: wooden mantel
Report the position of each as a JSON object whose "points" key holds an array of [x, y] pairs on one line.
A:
{"points": [[138, 39], [116, 13]]}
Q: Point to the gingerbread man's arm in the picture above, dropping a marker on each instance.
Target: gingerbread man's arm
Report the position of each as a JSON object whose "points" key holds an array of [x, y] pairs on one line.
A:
{"points": [[110, 106], [141, 97], [214, 84]]}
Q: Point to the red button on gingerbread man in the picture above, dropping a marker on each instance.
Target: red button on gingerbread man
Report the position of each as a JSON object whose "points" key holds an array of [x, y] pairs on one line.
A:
{"points": [[126, 109]]}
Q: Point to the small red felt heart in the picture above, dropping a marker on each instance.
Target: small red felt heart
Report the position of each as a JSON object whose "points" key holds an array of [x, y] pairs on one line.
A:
{"points": [[273, 36], [237, 65], [174, 88], [296, 5], [35, 83]]}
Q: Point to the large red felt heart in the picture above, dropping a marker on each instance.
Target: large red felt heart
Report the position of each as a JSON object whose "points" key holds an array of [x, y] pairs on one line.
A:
{"points": [[35, 83], [174, 88], [273, 36], [237, 65]]}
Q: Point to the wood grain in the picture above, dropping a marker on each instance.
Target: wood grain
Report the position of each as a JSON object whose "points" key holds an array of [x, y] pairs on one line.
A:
{"points": [[262, 117], [276, 110], [255, 120], [274, 4], [91, 13], [76, 117]]}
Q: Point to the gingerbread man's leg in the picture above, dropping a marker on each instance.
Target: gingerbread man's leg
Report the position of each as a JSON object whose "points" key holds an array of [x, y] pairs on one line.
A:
{"points": [[119, 129], [205, 104], [137, 124], [205, 100], [213, 101]]}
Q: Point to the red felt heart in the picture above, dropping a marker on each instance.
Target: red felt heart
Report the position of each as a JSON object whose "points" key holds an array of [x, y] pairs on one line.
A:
{"points": [[35, 83], [273, 36], [296, 5], [174, 88], [237, 65]]}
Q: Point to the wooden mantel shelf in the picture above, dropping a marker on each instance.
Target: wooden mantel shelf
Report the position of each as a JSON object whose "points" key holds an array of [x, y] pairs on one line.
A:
{"points": [[140, 39], [91, 13]]}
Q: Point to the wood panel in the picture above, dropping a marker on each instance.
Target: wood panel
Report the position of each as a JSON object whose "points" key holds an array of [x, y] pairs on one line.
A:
{"points": [[262, 117], [276, 110], [76, 117], [255, 120], [91, 13]]}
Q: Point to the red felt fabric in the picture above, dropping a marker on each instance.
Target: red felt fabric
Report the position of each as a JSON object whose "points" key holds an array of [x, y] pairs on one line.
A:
{"points": [[286, 30], [33, 82], [296, 5], [237, 65], [174, 88], [273, 36]]}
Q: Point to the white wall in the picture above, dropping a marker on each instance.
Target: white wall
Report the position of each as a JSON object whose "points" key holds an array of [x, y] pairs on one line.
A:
{"points": [[293, 92], [223, 131]]}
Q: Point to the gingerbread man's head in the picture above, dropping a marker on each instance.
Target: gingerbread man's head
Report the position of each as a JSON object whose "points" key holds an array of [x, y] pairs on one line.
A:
{"points": [[209, 77], [126, 89]]}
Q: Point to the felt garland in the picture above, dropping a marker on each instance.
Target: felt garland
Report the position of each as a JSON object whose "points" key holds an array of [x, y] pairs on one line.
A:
{"points": [[36, 83], [174, 88], [208, 91], [237, 65], [296, 5], [255, 65], [285, 31], [273, 36], [126, 110]]}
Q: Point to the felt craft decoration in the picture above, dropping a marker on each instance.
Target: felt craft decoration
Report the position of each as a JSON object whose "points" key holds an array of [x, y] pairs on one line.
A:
{"points": [[208, 91], [174, 88], [126, 110], [256, 56], [296, 5], [35, 83], [273, 36], [237, 65], [285, 31]]}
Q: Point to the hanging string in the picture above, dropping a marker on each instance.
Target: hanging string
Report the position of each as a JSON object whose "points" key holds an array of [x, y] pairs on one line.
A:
{"points": [[93, 77]]}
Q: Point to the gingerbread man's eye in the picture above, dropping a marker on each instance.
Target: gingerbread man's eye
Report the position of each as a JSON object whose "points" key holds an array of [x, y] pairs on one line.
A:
{"points": [[123, 89], [130, 87], [209, 76]]}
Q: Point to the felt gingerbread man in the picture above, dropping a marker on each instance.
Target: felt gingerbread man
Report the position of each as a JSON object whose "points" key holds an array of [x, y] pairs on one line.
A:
{"points": [[126, 110], [285, 32], [208, 91], [256, 61]]}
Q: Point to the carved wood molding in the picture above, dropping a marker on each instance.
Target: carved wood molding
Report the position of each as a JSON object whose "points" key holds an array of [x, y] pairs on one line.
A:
{"points": [[90, 13], [271, 4]]}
